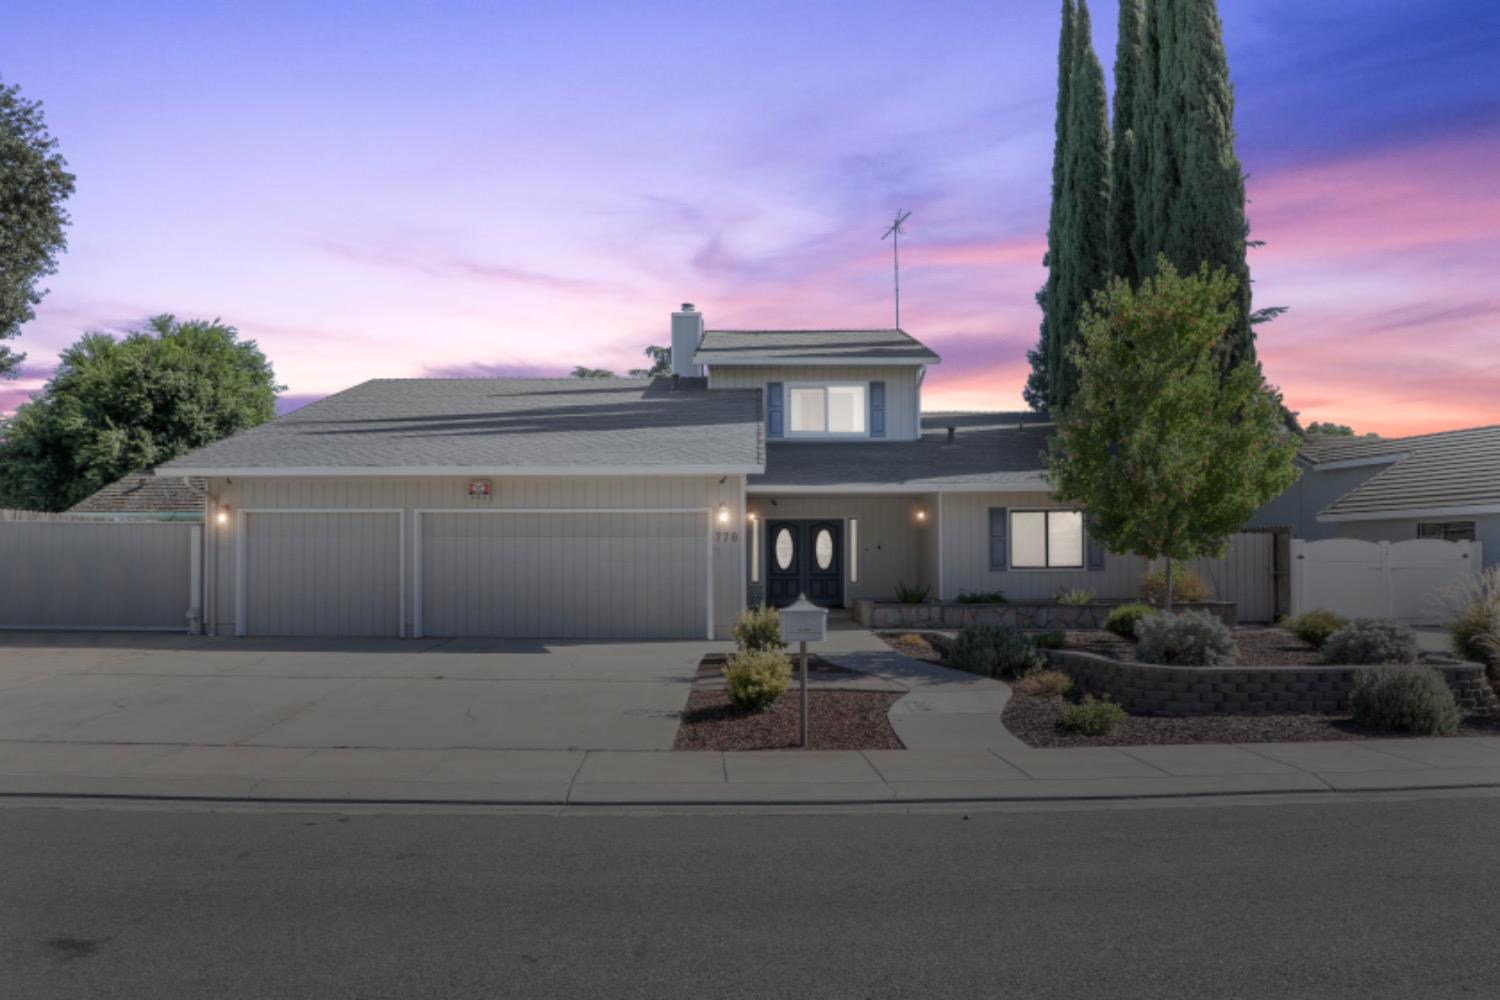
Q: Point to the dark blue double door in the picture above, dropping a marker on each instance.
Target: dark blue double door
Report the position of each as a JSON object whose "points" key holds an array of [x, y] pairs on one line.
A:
{"points": [[805, 557]]}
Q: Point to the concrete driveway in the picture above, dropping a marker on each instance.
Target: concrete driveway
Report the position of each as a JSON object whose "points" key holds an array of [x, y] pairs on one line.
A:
{"points": [[400, 694]]}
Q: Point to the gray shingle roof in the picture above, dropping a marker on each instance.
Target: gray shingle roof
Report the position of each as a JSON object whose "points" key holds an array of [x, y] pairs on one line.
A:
{"points": [[143, 493], [1324, 448], [1002, 450], [750, 347], [1448, 470], [502, 424]]}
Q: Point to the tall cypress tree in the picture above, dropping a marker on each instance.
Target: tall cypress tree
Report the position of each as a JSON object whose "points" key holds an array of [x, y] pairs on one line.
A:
{"points": [[1122, 231], [1190, 190], [1081, 265], [1038, 391]]}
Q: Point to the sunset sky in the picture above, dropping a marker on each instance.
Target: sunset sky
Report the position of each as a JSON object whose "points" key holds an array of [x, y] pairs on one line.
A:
{"points": [[392, 189]]}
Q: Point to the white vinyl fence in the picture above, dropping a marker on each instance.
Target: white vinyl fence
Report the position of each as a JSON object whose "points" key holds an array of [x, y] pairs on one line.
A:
{"points": [[61, 572], [1403, 580]]}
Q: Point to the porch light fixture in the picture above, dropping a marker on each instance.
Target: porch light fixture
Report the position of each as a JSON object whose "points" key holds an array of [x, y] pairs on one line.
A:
{"points": [[921, 514], [723, 513], [222, 517]]}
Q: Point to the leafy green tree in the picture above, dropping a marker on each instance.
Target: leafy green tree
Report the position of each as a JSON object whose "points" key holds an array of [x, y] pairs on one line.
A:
{"points": [[1334, 430], [1122, 226], [661, 363], [582, 371], [117, 406], [1189, 190], [34, 183], [1167, 452], [1038, 384]]}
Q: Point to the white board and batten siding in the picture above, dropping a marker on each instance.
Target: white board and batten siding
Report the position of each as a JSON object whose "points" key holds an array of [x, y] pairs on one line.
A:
{"points": [[1362, 579], [445, 580], [902, 387], [1244, 575], [65, 573]]}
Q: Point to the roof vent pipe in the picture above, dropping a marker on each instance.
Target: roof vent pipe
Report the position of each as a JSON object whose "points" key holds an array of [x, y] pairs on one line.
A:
{"points": [[687, 334], [952, 434]]}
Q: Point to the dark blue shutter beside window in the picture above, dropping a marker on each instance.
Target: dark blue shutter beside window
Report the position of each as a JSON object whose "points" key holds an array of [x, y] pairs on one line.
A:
{"points": [[775, 425], [1095, 551], [999, 520], [877, 409]]}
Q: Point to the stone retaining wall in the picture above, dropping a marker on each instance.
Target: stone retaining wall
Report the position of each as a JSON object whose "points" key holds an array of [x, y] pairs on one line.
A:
{"points": [[1021, 614], [1150, 689]]}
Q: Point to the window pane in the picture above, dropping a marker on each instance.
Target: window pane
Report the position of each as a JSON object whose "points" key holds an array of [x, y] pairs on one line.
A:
{"points": [[755, 551], [785, 549], [853, 550], [823, 548], [1028, 539], [846, 409], [1064, 538], [807, 411]]}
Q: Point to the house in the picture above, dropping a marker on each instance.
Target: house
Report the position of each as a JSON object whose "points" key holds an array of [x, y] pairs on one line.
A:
{"points": [[770, 463], [147, 497], [1444, 486]]}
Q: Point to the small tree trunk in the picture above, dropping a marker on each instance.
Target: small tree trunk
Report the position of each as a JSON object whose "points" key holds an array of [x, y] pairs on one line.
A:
{"points": [[1167, 596]]}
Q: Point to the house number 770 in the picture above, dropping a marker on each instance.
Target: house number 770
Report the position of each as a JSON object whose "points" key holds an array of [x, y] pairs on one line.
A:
{"points": [[726, 536]]}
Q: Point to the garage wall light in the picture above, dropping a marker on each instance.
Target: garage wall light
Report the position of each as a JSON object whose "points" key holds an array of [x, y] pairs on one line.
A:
{"points": [[222, 517], [921, 514]]}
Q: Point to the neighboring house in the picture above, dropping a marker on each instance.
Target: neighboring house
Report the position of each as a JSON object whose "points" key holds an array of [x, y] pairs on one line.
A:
{"points": [[144, 496], [1444, 486], [798, 462]]}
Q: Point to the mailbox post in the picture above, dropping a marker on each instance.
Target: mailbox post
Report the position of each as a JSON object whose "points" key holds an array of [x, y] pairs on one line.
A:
{"points": [[803, 622]]}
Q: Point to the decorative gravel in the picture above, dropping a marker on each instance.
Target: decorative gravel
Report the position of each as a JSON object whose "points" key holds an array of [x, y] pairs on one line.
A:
{"points": [[837, 720]]}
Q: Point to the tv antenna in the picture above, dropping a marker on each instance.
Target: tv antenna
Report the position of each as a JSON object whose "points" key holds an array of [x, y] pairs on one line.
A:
{"points": [[895, 234]]}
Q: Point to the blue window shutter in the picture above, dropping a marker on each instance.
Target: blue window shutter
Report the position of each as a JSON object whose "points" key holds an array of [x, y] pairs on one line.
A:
{"points": [[877, 409], [775, 421], [999, 522], [1094, 557]]}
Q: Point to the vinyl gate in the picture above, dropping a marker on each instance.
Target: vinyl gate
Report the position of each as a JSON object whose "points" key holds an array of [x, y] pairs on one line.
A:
{"points": [[65, 573], [1403, 580]]}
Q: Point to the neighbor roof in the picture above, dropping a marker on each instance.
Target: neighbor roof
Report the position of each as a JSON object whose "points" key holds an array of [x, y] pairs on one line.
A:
{"points": [[989, 450], [757, 347], [1445, 474], [517, 426], [143, 493]]}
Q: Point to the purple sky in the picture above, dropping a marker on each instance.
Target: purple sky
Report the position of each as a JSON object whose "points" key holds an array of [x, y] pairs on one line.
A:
{"points": [[383, 190]]}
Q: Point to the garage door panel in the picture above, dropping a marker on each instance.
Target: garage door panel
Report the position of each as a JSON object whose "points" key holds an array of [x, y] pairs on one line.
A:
{"points": [[322, 574], [565, 575]]}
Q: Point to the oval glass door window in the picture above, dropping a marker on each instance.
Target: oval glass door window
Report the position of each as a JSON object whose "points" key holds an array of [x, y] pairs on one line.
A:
{"points": [[823, 548], [784, 549]]}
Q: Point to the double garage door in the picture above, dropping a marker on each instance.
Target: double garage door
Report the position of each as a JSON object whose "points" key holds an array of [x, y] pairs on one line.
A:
{"points": [[522, 574]]}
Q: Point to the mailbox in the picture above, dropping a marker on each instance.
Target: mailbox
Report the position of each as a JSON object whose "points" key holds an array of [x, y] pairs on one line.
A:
{"points": [[803, 621]]}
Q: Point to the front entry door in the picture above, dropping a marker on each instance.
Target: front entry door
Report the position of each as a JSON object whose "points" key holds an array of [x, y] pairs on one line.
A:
{"points": [[805, 557]]}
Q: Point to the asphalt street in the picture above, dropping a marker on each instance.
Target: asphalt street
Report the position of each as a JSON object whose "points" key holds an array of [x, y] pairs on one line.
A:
{"points": [[1391, 897]]}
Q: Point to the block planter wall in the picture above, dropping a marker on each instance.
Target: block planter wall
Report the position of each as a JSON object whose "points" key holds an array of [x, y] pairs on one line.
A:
{"points": [[1021, 614], [1150, 689]]}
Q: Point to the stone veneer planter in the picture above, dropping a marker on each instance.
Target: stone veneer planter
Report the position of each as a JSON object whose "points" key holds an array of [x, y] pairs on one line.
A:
{"points": [[1021, 614], [1151, 689]]}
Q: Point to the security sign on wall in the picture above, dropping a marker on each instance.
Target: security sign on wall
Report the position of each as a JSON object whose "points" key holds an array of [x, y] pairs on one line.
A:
{"points": [[479, 491]]}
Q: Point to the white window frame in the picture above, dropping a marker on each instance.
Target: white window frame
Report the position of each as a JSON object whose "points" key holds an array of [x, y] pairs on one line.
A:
{"points": [[1010, 539], [824, 435]]}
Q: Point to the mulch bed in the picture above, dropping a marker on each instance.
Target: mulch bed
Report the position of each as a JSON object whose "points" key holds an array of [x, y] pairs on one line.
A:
{"points": [[1261, 647], [1036, 721], [711, 667], [837, 720]]}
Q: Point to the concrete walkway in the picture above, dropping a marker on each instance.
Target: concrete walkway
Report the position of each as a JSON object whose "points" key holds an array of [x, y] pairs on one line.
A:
{"points": [[950, 722]]}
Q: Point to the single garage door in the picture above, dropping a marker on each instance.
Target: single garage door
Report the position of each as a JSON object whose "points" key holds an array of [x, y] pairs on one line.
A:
{"points": [[311, 573], [565, 575]]}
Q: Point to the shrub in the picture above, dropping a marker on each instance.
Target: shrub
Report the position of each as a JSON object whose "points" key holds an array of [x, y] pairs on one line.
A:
{"points": [[994, 651], [1314, 627], [1371, 640], [1404, 700], [1051, 639], [1473, 607], [1191, 639], [1092, 717], [755, 678], [759, 628], [912, 594], [1045, 683], [1074, 596], [1121, 620], [1187, 586], [981, 597]]}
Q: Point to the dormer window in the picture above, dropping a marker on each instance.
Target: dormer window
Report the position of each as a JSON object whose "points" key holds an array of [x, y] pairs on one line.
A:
{"points": [[826, 410]]}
